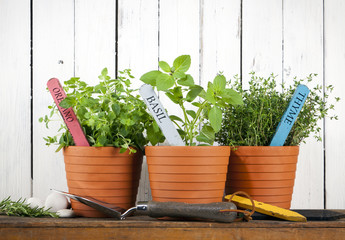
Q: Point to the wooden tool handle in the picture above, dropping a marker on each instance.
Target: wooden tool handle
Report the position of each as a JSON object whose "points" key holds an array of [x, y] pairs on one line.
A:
{"points": [[185, 210]]}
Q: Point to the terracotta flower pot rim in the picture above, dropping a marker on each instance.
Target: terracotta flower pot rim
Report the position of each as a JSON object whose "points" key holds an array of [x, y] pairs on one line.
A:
{"points": [[93, 151], [187, 151], [264, 150]]}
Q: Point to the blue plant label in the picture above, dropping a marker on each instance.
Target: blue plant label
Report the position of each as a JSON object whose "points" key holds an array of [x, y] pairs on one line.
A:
{"points": [[290, 115], [158, 112]]}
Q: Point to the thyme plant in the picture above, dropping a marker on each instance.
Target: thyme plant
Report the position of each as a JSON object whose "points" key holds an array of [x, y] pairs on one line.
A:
{"points": [[254, 123]]}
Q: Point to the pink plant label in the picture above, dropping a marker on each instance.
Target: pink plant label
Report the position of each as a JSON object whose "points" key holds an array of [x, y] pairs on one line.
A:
{"points": [[68, 114]]}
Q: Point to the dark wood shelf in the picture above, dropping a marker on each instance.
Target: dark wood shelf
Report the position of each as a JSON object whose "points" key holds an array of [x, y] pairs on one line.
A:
{"points": [[141, 227]]}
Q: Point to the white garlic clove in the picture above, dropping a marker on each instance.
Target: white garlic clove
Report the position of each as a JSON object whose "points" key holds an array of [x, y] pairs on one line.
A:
{"points": [[56, 201], [65, 213], [34, 202]]}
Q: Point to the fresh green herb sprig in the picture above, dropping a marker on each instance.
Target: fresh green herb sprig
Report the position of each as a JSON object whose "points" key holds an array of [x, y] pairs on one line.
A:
{"points": [[182, 90], [110, 113], [20, 208], [254, 123]]}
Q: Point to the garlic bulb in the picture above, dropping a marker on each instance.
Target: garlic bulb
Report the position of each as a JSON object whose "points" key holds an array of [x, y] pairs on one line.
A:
{"points": [[34, 202], [65, 213], [56, 201]]}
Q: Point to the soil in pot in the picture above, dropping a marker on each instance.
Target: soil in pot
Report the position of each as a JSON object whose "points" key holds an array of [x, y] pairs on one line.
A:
{"points": [[266, 173], [192, 174], [102, 173]]}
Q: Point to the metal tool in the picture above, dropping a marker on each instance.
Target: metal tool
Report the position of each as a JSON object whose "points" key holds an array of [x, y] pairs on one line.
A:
{"points": [[209, 211]]}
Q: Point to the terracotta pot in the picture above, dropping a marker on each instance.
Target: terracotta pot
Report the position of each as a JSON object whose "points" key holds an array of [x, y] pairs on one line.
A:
{"points": [[266, 173], [192, 174], [102, 173]]}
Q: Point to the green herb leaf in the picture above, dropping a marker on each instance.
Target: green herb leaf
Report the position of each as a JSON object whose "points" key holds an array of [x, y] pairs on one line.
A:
{"points": [[191, 113], [150, 77], [164, 66], [72, 81], [182, 63], [215, 117], [209, 96], [153, 137], [193, 93], [175, 118], [187, 81], [219, 83], [164, 82], [116, 108], [104, 72], [232, 97], [179, 75], [67, 102], [207, 135]]}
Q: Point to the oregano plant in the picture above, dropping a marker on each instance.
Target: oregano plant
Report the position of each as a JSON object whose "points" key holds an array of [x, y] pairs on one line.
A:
{"points": [[110, 113], [207, 103], [265, 101]]}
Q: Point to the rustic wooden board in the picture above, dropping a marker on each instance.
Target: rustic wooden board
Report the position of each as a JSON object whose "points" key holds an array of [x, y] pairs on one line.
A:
{"points": [[334, 130], [302, 55], [15, 137], [148, 228]]}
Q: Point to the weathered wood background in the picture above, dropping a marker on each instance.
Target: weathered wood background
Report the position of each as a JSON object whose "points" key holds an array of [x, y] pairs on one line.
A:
{"points": [[40, 39]]}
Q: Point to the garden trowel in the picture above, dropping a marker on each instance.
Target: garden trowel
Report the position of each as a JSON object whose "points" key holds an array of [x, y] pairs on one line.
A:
{"points": [[207, 211]]}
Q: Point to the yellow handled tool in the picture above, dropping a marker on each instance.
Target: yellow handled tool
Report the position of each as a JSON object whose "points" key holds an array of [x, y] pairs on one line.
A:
{"points": [[267, 209]]}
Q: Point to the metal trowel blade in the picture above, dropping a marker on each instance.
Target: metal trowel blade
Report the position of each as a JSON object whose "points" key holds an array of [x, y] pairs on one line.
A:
{"points": [[106, 208]]}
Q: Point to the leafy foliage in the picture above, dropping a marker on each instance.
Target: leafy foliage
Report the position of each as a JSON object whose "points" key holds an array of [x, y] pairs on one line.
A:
{"points": [[254, 123], [182, 90], [110, 114], [20, 208]]}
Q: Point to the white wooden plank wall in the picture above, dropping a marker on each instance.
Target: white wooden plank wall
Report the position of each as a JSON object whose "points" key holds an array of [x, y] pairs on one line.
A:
{"points": [[80, 37], [53, 44], [261, 38], [15, 136], [137, 50], [334, 65], [303, 54]]}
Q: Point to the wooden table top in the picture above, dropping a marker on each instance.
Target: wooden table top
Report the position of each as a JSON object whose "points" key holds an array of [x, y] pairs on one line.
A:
{"points": [[142, 227]]}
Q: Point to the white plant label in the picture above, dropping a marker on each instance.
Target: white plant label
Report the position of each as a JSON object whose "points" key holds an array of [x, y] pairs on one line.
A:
{"points": [[158, 112]]}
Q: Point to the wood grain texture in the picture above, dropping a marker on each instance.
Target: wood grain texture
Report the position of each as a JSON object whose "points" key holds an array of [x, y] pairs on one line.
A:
{"points": [[179, 31], [95, 29], [261, 38], [138, 37], [220, 44], [302, 55], [53, 47], [15, 99], [334, 130], [148, 228], [138, 50]]}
